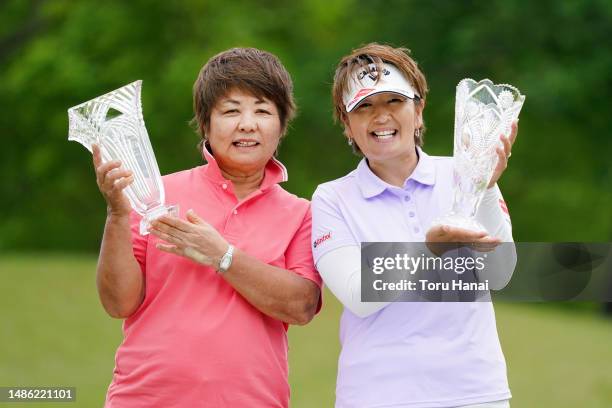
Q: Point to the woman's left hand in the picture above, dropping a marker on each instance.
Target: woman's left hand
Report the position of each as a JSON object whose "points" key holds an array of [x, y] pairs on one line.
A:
{"points": [[192, 238], [503, 154]]}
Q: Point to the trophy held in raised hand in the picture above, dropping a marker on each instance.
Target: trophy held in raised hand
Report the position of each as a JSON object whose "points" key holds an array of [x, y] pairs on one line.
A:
{"points": [[114, 122], [483, 112]]}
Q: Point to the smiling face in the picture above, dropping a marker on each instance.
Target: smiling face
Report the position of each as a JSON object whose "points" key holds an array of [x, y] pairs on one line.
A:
{"points": [[383, 126], [244, 132]]}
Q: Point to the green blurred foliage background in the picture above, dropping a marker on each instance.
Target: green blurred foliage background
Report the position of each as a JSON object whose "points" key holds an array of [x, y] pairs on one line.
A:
{"points": [[56, 54]]}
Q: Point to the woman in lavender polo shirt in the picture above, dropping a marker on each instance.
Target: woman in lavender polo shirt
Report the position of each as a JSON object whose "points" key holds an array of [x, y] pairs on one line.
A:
{"points": [[404, 354]]}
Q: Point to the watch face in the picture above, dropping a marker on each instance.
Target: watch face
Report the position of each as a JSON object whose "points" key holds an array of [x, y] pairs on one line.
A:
{"points": [[225, 262]]}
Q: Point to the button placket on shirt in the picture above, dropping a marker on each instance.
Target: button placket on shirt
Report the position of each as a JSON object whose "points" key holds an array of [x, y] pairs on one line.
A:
{"points": [[227, 188], [235, 210], [411, 213]]}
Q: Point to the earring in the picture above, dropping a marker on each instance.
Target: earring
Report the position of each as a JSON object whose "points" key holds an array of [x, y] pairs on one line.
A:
{"points": [[350, 141], [417, 133]]}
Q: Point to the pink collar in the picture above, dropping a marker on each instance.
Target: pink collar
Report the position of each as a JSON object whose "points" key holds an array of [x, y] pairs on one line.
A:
{"points": [[275, 171]]}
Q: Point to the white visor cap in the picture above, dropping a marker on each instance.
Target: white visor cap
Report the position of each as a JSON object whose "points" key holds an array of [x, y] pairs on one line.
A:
{"points": [[363, 84]]}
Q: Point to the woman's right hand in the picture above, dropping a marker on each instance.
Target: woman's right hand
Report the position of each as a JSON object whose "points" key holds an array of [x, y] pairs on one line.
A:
{"points": [[112, 179], [441, 238]]}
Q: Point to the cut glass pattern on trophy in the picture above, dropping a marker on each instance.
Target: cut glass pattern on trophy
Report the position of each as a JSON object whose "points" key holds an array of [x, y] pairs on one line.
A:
{"points": [[114, 122], [483, 112]]}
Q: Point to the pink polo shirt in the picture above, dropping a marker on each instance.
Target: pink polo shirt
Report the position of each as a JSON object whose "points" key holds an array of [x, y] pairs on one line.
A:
{"points": [[195, 341]]}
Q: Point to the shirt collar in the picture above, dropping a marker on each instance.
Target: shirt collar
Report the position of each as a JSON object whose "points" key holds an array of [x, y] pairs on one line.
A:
{"points": [[274, 173], [371, 185]]}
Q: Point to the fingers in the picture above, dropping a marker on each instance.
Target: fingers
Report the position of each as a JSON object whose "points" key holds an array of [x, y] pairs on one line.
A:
{"points": [[486, 244], [108, 166], [514, 131], [502, 159], [97, 158], [173, 249], [112, 183], [438, 231], [116, 180], [165, 233], [175, 230], [103, 169], [506, 144], [174, 222], [442, 238], [487, 241], [502, 163], [508, 141], [162, 227], [176, 244], [503, 151], [115, 174], [479, 241], [447, 233], [194, 218], [484, 248], [185, 226], [106, 173], [124, 182], [455, 234], [112, 180]]}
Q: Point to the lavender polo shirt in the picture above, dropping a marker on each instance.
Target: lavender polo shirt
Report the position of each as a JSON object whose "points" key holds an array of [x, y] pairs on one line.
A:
{"points": [[417, 355]]}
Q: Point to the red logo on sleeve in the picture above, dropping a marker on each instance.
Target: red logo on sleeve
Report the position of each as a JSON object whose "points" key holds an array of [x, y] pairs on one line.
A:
{"points": [[503, 206], [321, 239]]}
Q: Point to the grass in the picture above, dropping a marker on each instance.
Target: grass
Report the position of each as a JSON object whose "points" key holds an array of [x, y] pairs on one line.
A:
{"points": [[55, 333]]}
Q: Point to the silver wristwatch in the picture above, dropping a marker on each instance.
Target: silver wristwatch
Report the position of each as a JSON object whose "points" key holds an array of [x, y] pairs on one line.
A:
{"points": [[226, 260]]}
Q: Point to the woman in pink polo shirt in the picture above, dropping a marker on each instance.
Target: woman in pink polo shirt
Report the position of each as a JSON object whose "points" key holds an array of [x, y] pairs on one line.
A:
{"points": [[405, 354], [207, 298]]}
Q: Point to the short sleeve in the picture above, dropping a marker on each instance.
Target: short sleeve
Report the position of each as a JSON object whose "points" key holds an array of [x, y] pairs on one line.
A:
{"points": [[139, 242], [298, 257], [329, 228]]}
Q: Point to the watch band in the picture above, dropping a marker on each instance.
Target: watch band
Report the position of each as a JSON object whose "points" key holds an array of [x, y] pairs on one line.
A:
{"points": [[226, 260]]}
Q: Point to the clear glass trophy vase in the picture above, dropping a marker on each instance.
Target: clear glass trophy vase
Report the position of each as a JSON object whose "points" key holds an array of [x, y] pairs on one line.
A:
{"points": [[483, 112], [114, 122]]}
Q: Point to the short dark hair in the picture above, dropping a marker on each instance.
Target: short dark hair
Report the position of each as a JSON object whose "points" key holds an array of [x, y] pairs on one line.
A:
{"points": [[248, 69]]}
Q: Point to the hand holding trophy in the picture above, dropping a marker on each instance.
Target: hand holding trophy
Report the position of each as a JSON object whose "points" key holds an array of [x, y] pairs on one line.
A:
{"points": [[114, 122], [483, 112]]}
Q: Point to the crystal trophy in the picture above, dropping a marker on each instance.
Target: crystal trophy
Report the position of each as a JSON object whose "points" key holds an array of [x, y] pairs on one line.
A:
{"points": [[114, 122], [483, 111]]}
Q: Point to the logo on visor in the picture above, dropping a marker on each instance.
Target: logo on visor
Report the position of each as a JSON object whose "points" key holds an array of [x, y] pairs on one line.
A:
{"points": [[372, 72], [359, 94], [321, 240]]}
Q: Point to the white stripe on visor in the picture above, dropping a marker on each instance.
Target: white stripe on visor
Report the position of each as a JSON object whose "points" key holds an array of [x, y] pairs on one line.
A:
{"points": [[363, 84]]}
